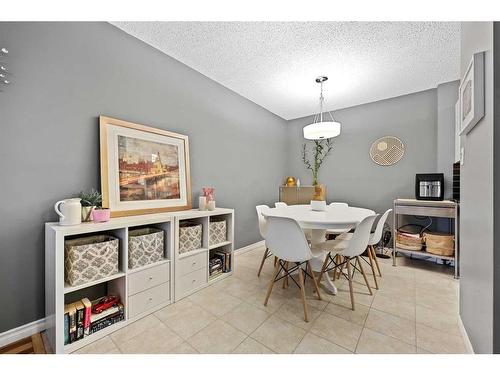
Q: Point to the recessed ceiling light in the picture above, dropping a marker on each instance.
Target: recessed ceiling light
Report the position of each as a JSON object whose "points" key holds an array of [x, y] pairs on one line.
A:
{"points": [[4, 50]]}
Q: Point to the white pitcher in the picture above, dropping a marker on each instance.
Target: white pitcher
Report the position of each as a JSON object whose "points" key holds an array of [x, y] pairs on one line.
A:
{"points": [[69, 211]]}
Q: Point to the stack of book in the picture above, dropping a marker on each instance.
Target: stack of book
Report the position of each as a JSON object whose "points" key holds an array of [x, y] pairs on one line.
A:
{"points": [[220, 262], [79, 321], [106, 318], [215, 267]]}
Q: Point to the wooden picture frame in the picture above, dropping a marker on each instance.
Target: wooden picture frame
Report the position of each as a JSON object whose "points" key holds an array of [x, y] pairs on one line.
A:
{"points": [[471, 94], [144, 170]]}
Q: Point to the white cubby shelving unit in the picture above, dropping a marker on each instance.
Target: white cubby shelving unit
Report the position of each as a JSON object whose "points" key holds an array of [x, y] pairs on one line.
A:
{"points": [[192, 272], [142, 290]]}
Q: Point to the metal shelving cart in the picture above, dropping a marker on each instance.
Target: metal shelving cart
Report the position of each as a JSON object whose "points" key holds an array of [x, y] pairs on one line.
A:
{"points": [[444, 209]]}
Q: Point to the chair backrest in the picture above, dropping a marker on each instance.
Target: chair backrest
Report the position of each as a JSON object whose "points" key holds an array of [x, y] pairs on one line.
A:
{"points": [[338, 204], [360, 237], [287, 240], [262, 220], [377, 235], [280, 204]]}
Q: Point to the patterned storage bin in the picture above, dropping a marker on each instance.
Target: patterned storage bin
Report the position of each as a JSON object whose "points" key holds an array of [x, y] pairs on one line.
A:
{"points": [[189, 237], [145, 246], [218, 233], [90, 258]]}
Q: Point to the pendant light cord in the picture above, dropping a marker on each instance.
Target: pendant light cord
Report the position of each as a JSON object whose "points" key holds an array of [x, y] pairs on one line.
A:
{"points": [[319, 116], [321, 103]]}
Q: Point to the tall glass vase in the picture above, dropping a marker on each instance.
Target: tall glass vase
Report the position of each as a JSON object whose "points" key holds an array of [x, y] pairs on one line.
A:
{"points": [[319, 192]]}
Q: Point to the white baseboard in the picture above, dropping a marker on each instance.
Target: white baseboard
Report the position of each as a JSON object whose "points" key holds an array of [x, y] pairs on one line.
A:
{"points": [[468, 344], [250, 247], [21, 332]]}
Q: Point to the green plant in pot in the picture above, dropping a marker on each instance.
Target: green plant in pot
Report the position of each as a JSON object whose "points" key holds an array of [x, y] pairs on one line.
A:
{"points": [[321, 149], [90, 201]]}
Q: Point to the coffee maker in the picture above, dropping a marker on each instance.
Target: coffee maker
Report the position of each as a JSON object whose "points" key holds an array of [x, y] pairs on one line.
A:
{"points": [[429, 186]]}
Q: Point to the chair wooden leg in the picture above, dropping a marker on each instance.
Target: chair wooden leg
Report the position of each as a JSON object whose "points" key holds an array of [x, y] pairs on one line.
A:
{"points": [[349, 279], [323, 268], [364, 275], [354, 267], [374, 255], [285, 279], [303, 293], [338, 260], [275, 261], [370, 257], [262, 262], [271, 283], [316, 287]]}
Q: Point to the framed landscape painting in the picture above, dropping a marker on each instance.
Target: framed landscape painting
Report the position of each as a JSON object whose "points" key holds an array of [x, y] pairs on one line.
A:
{"points": [[471, 94], [143, 169]]}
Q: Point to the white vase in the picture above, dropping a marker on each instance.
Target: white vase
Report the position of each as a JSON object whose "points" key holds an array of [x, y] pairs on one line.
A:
{"points": [[69, 211], [211, 205], [318, 205], [202, 203]]}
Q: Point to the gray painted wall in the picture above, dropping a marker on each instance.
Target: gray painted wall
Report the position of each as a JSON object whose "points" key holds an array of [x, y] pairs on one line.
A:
{"points": [[350, 174], [476, 202], [64, 76]]}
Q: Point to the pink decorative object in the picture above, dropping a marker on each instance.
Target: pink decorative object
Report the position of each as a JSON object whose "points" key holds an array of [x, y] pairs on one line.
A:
{"points": [[101, 214], [209, 193]]}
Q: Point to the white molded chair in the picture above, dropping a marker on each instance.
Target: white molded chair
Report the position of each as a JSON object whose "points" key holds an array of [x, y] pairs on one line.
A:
{"points": [[289, 244], [375, 238], [263, 229], [280, 205], [340, 205], [348, 250]]}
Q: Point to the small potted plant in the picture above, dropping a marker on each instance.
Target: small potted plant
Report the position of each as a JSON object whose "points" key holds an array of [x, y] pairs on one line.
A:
{"points": [[321, 150], [101, 214], [90, 200]]}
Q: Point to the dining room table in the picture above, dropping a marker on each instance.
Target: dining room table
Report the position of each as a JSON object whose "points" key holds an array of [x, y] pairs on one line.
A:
{"points": [[335, 219]]}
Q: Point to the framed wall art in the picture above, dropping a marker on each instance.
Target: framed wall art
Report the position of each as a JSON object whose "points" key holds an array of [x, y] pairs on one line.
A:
{"points": [[471, 94], [143, 170]]}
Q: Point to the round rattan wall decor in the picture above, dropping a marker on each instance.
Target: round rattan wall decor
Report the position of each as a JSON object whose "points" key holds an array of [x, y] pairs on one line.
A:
{"points": [[387, 150]]}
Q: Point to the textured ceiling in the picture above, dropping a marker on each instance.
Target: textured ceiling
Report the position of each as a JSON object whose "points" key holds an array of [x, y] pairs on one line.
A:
{"points": [[274, 64]]}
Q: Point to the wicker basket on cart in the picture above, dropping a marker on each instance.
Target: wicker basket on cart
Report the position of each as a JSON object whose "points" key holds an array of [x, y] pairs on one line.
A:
{"points": [[409, 239], [440, 243]]}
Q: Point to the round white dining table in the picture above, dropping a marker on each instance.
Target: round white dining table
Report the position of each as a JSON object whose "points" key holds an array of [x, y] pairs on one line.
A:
{"points": [[337, 219]]}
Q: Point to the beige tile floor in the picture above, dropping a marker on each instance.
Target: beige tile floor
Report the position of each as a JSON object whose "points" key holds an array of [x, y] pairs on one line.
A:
{"points": [[414, 311]]}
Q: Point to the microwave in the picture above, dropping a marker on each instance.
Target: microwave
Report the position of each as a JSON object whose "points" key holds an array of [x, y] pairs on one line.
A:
{"points": [[429, 186]]}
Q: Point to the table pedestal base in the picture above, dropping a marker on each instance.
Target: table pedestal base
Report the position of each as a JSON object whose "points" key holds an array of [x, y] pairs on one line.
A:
{"points": [[317, 236]]}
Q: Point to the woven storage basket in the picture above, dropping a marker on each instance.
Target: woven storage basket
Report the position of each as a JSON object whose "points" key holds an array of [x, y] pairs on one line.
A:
{"points": [[218, 233], [189, 237], [409, 241], [90, 258], [440, 243], [145, 246]]}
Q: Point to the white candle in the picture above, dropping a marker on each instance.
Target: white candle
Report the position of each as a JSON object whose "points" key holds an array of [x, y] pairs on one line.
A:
{"points": [[202, 203], [211, 205]]}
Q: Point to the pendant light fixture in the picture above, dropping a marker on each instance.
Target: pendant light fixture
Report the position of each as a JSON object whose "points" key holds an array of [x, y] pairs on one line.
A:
{"points": [[320, 129]]}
